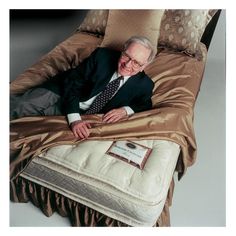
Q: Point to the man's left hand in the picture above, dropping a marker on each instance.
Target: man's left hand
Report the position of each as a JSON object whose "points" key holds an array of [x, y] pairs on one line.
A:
{"points": [[115, 115]]}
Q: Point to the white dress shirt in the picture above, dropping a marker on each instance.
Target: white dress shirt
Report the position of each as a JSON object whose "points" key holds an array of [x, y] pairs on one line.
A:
{"points": [[86, 104]]}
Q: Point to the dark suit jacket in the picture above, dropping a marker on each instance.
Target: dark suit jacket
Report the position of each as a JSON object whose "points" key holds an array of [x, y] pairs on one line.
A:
{"points": [[91, 77]]}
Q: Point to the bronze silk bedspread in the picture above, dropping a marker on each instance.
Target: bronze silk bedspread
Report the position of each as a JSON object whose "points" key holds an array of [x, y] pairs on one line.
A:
{"points": [[177, 79]]}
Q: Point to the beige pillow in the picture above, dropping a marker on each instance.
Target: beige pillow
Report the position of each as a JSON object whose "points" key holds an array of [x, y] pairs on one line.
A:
{"points": [[95, 22], [122, 24], [182, 29]]}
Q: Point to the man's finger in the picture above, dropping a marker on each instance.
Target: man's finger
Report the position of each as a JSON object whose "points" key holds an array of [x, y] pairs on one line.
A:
{"points": [[109, 115], [80, 129], [88, 125], [113, 118], [84, 130], [108, 118], [75, 133]]}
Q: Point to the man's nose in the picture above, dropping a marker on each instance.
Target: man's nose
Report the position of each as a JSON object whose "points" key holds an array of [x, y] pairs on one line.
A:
{"points": [[128, 63]]}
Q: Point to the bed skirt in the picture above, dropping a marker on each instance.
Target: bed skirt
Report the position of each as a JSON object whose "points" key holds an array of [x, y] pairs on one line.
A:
{"points": [[22, 190]]}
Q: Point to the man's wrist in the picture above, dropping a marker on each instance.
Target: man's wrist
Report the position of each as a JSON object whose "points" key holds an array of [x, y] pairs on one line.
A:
{"points": [[129, 110], [73, 117]]}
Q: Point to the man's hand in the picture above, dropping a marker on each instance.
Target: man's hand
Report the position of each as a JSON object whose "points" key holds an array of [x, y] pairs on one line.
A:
{"points": [[80, 129], [115, 115]]}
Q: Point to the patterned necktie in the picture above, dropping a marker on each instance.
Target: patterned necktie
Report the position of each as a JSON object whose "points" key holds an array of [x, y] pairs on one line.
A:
{"points": [[101, 100]]}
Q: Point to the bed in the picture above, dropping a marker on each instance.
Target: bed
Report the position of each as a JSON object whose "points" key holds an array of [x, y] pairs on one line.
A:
{"points": [[57, 172]]}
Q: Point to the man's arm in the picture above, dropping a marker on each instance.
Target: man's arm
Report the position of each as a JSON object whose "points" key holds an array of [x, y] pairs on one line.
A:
{"points": [[117, 114], [143, 100], [78, 83]]}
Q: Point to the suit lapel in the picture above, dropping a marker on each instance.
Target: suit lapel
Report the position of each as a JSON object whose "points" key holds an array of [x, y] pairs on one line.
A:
{"points": [[104, 74], [100, 86]]}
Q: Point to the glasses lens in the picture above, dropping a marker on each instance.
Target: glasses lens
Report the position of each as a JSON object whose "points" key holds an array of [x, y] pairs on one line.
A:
{"points": [[134, 63]]}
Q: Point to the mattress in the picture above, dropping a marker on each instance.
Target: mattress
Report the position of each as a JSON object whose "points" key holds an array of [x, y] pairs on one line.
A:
{"points": [[86, 174]]}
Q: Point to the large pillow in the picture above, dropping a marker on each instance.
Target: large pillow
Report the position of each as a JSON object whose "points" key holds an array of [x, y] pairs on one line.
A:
{"points": [[95, 22], [122, 24], [182, 29]]}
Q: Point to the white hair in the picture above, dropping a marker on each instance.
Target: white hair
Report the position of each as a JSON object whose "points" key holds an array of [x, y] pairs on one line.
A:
{"points": [[143, 41]]}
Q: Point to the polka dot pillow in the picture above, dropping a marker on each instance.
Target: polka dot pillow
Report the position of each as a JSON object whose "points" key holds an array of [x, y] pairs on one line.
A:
{"points": [[182, 29], [95, 22]]}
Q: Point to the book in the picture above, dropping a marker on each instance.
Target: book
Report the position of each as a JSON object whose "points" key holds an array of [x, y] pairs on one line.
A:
{"points": [[130, 152]]}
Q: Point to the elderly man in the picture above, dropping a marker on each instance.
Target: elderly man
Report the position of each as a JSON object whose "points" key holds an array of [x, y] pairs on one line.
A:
{"points": [[109, 82]]}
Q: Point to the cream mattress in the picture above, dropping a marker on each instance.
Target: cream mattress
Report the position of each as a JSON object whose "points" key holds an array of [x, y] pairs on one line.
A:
{"points": [[86, 174]]}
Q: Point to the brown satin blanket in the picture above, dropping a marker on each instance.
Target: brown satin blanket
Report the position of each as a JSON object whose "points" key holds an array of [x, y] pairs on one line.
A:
{"points": [[177, 80]]}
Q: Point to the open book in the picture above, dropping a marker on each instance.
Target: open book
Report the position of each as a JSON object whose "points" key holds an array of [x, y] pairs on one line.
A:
{"points": [[130, 152]]}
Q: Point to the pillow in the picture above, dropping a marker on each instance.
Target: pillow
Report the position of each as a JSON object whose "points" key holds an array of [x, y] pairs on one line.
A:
{"points": [[122, 24], [95, 22], [182, 29]]}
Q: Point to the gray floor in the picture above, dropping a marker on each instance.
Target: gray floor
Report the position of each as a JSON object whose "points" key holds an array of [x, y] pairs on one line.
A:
{"points": [[199, 198]]}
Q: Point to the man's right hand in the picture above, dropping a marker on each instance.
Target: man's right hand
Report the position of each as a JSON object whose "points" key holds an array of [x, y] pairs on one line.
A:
{"points": [[80, 129]]}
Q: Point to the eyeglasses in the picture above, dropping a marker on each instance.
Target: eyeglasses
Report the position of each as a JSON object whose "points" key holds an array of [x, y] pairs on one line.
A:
{"points": [[135, 64]]}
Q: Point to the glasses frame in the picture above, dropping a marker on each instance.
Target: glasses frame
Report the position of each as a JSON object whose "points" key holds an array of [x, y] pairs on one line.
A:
{"points": [[128, 58]]}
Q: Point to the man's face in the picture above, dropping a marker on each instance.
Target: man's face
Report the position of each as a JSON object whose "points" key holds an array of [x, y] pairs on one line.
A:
{"points": [[133, 60]]}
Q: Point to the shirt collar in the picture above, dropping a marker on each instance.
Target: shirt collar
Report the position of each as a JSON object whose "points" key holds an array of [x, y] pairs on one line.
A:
{"points": [[125, 77]]}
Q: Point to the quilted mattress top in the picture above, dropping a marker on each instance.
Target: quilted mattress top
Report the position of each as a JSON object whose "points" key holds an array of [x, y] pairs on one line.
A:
{"points": [[89, 163]]}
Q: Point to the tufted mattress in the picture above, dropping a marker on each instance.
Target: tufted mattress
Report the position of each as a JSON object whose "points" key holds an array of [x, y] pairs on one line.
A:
{"points": [[86, 174]]}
